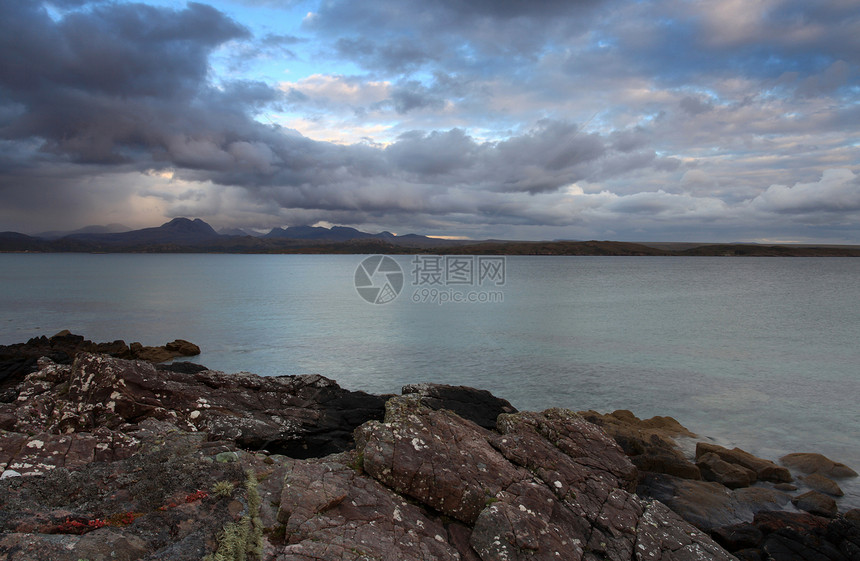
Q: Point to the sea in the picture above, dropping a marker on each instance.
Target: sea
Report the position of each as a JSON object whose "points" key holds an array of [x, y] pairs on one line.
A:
{"points": [[760, 353]]}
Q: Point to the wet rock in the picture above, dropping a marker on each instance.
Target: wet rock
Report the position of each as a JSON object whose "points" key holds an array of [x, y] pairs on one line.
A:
{"points": [[765, 470], [817, 463], [816, 503], [788, 487], [709, 505], [802, 522], [738, 536], [733, 476], [792, 536], [479, 406], [853, 514], [823, 484], [650, 443]]}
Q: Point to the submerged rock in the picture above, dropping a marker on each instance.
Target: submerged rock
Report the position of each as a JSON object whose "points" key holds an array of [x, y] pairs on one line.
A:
{"points": [[817, 503], [709, 505], [823, 484], [817, 463]]}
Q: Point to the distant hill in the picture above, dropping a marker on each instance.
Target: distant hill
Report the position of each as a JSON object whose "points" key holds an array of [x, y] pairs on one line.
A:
{"points": [[335, 233], [178, 231], [239, 232], [109, 229], [13, 241]]}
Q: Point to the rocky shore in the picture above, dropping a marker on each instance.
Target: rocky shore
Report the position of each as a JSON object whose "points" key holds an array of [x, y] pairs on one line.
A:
{"points": [[104, 456]]}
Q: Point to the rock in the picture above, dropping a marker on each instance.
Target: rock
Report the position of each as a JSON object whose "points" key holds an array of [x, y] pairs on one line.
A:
{"points": [[649, 443], [823, 484], [817, 463], [435, 457], [121, 460], [329, 511], [788, 487], [793, 536], [300, 416], [152, 505], [709, 505], [853, 514], [802, 522], [748, 555], [182, 347], [16, 361], [738, 536], [226, 457], [733, 476], [182, 367], [550, 482], [816, 503], [765, 470], [479, 406]]}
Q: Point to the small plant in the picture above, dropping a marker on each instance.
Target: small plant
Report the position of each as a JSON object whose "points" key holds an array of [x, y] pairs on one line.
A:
{"points": [[196, 496], [123, 519], [70, 526], [242, 540], [223, 489]]}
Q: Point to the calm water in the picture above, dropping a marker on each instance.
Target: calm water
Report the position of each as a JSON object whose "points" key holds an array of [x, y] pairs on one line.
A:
{"points": [[756, 352]]}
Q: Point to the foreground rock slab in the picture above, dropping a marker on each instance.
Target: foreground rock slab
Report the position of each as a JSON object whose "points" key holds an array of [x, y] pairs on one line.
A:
{"points": [[107, 458]]}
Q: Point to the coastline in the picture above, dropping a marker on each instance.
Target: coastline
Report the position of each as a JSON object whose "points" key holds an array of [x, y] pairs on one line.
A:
{"points": [[120, 407]]}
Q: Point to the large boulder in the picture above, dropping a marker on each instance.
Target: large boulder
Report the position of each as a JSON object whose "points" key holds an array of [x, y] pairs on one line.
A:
{"points": [[479, 406], [733, 476], [435, 457], [709, 505], [817, 463], [816, 503], [765, 470], [650, 443], [823, 484]]}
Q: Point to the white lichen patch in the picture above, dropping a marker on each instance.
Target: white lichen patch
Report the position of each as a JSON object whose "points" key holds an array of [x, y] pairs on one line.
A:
{"points": [[38, 444]]}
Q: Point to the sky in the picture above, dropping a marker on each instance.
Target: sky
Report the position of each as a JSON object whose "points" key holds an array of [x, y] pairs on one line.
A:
{"points": [[635, 120]]}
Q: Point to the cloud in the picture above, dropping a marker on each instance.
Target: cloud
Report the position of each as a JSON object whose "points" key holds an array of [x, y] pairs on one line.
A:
{"points": [[836, 193], [555, 119]]}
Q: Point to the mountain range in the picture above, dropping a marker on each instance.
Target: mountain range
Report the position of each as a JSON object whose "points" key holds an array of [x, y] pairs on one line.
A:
{"points": [[184, 235]]}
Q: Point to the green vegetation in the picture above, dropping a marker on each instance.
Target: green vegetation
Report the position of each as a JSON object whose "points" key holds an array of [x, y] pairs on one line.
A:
{"points": [[242, 540], [223, 489]]}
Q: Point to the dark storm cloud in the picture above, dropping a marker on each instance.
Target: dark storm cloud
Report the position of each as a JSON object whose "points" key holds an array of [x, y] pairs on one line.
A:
{"points": [[119, 100]]}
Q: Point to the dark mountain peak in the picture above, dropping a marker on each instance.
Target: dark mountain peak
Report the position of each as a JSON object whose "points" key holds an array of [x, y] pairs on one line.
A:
{"points": [[186, 225]]}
